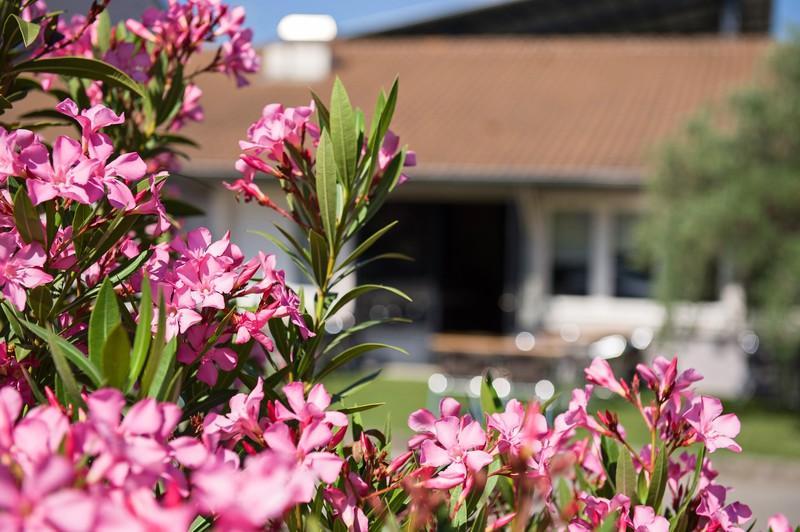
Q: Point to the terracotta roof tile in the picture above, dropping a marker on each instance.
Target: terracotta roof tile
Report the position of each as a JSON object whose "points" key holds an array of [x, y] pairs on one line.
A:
{"points": [[524, 107]]}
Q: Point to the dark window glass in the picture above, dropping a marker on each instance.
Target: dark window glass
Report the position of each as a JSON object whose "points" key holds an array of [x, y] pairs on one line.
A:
{"points": [[571, 251], [632, 276], [460, 269]]}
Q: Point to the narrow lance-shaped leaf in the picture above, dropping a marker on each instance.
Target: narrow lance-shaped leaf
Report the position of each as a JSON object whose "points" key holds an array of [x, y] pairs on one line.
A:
{"points": [[29, 226], [71, 352], [103, 30], [28, 30], [141, 340], [626, 474], [351, 354], [658, 480], [319, 256], [343, 132], [360, 408], [64, 371], [157, 388], [156, 347], [490, 401], [81, 67], [359, 291], [323, 115], [366, 244], [105, 316], [326, 186], [117, 357]]}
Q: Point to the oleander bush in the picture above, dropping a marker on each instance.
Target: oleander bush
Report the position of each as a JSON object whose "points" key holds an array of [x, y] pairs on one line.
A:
{"points": [[153, 379]]}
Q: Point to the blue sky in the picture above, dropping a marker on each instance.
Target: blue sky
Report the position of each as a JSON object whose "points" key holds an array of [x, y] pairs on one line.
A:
{"points": [[352, 16], [786, 16], [356, 16]]}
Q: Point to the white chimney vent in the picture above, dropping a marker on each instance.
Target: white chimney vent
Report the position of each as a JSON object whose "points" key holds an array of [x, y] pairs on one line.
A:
{"points": [[304, 55]]}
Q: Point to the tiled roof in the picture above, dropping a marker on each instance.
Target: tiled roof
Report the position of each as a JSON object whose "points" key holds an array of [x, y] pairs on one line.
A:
{"points": [[568, 109]]}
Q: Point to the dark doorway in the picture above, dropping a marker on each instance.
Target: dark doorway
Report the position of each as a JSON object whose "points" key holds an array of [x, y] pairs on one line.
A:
{"points": [[462, 264]]}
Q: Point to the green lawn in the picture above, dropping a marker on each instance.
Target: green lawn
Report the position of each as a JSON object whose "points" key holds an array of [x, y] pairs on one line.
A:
{"points": [[764, 430]]}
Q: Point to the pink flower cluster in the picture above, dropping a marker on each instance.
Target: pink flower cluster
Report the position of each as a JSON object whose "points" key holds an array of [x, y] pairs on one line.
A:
{"points": [[259, 463], [100, 471], [454, 450], [201, 279], [183, 28], [177, 33], [677, 416], [281, 130], [74, 171]]}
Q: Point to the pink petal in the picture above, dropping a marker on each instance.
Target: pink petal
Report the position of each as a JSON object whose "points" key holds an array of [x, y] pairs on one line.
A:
{"points": [[433, 455], [477, 460], [66, 152], [190, 452], [143, 418], [472, 436], [314, 436], [447, 431], [325, 465], [319, 397], [454, 475], [421, 420], [279, 438], [295, 395]]}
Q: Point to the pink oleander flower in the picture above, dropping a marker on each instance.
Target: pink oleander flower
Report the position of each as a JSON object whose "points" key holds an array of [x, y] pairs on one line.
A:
{"points": [[127, 168], [11, 145], [519, 430], [20, 269], [181, 314], [715, 430], [11, 374], [215, 358], [646, 520], [45, 499], [308, 411], [239, 57], [205, 282], [243, 420], [779, 523], [251, 325], [313, 465], [596, 509], [140, 511], [577, 414], [684, 466], [663, 377], [92, 120], [131, 59], [716, 515], [70, 175], [601, 374], [458, 447], [345, 503], [388, 150], [279, 125], [191, 110], [246, 499], [199, 243], [423, 421], [133, 448]]}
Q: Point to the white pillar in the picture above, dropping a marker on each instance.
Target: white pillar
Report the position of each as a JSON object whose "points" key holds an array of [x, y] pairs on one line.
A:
{"points": [[536, 253], [601, 261]]}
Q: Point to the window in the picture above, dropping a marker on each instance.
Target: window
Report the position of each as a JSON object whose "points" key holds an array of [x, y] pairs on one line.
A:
{"points": [[631, 276], [571, 249]]}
